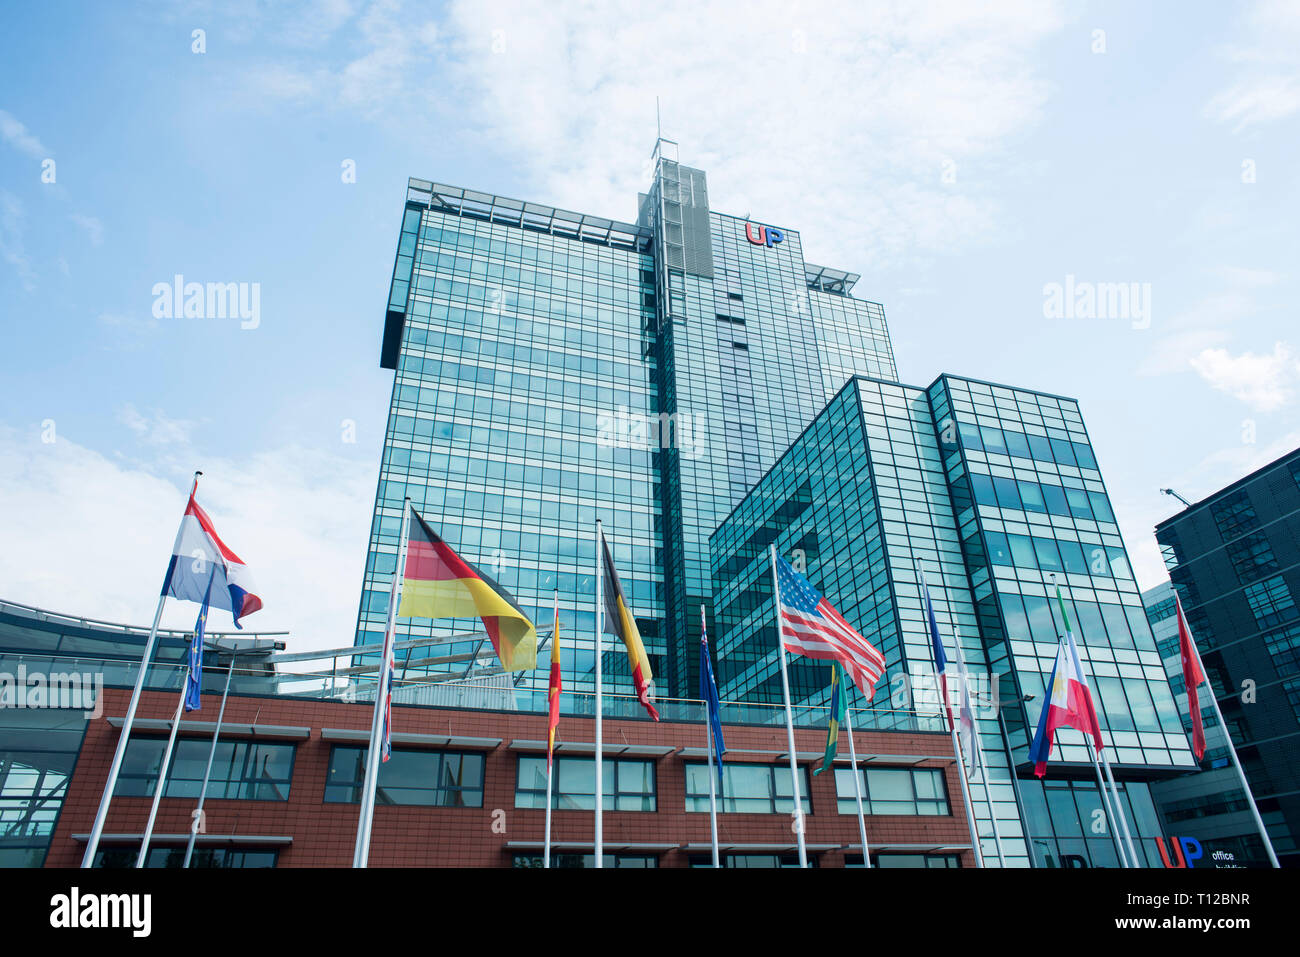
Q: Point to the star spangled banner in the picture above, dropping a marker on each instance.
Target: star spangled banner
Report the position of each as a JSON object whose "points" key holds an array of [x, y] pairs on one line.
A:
{"points": [[811, 626]]}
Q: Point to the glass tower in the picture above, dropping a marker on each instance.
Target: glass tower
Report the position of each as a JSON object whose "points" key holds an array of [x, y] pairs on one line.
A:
{"points": [[989, 491], [554, 367]]}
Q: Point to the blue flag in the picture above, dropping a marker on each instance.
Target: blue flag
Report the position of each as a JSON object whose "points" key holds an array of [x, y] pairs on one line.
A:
{"points": [[709, 692], [195, 676]]}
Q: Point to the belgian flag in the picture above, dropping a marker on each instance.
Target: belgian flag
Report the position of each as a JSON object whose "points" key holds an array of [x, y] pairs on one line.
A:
{"points": [[620, 623], [438, 583]]}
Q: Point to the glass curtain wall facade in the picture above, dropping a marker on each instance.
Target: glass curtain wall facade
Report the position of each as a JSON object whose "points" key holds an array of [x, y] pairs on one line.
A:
{"points": [[890, 481], [552, 368], [524, 360], [1234, 558]]}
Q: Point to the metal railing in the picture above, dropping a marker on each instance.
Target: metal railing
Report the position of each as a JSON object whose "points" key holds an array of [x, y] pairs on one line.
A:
{"points": [[494, 693]]}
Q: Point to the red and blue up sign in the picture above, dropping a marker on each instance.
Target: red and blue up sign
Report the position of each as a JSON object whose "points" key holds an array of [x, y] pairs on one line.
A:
{"points": [[766, 236]]}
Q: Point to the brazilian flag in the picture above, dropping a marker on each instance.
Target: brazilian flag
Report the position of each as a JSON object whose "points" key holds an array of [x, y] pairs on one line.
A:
{"points": [[837, 715]]}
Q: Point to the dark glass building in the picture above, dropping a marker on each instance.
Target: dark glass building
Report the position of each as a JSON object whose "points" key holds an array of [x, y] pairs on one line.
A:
{"points": [[1234, 558]]}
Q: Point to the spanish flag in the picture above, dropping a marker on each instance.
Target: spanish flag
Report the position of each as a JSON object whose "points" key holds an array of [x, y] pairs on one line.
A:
{"points": [[619, 622], [438, 583], [556, 685]]}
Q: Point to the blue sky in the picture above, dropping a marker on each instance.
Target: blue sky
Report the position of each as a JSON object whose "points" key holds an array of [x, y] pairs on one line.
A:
{"points": [[960, 157]]}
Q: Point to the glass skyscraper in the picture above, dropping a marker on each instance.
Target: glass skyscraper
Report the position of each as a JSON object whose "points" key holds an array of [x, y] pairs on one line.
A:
{"points": [[554, 367], [988, 491]]}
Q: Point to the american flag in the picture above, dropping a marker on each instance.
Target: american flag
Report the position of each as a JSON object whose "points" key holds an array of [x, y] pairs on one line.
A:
{"points": [[810, 626]]}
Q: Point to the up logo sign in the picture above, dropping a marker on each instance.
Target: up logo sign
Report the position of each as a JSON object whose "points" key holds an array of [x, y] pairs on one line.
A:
{"points": [[765, 235]]}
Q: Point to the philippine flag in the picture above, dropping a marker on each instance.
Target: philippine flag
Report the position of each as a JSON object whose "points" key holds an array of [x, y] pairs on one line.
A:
{"points": [[1069, 705], [201, 561]]}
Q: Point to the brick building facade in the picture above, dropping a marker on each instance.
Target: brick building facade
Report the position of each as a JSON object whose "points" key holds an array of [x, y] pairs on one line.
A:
{"points": [[304, 830]]}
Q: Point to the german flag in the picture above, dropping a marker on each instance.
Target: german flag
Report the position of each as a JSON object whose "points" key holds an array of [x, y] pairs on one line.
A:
{"points": [[619, 622], [438, 583]]}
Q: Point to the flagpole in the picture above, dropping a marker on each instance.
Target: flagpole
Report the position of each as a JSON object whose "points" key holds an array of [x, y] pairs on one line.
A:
{"points": [[1119, 807], [978, 753], [162, 780], [952, 725], [1105, 800], [1111, 819], [965, 792], [361, 852], [1134, 860], [599, 842], [713, 784], [853, 758], [789, 716], [550, 750], [106, 797], [1232, 748], [207, 774]]}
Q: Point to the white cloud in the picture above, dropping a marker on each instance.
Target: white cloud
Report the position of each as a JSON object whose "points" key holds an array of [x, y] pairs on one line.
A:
{"points": [[16, 135], [90, 536], [12, 248], [1174, 353], [883, 98], [156, 428], [1248, 277], [130, 324], [1264, 382], [94, 229], [1267, 88], [813, 116], [389, 47]]}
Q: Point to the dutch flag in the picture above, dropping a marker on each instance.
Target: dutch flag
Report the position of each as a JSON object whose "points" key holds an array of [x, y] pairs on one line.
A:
{"points": [[203, 566]]}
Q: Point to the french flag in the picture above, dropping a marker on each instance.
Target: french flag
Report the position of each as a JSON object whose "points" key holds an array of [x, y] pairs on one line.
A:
{"points": [[201, 561], [1069, 705]]}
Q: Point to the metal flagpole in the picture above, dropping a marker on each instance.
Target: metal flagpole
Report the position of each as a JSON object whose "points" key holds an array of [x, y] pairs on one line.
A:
{"points": [[952, 730], [550, 751], [713, 794], [789, 717], [853, 758], [1111, 819], [979, 754], [988, 799], [162, 780], [106, 798], [599, 843], [361, 852], [965, 792], [713, 784], [1232, 748], [207, 774], [1119, 808], [1134, 860]]}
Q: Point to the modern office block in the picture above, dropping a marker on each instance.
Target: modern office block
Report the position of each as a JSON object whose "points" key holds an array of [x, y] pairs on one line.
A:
{"points": [[989, 491], [1234, 559]]}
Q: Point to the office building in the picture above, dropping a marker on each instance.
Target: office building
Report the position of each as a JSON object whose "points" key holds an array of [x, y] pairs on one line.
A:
{"points": [[993, 493], [1234, 559]]}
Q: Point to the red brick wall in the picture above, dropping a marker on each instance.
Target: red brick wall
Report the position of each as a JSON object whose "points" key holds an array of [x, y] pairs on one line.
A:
{"points": [[324, 834]]}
